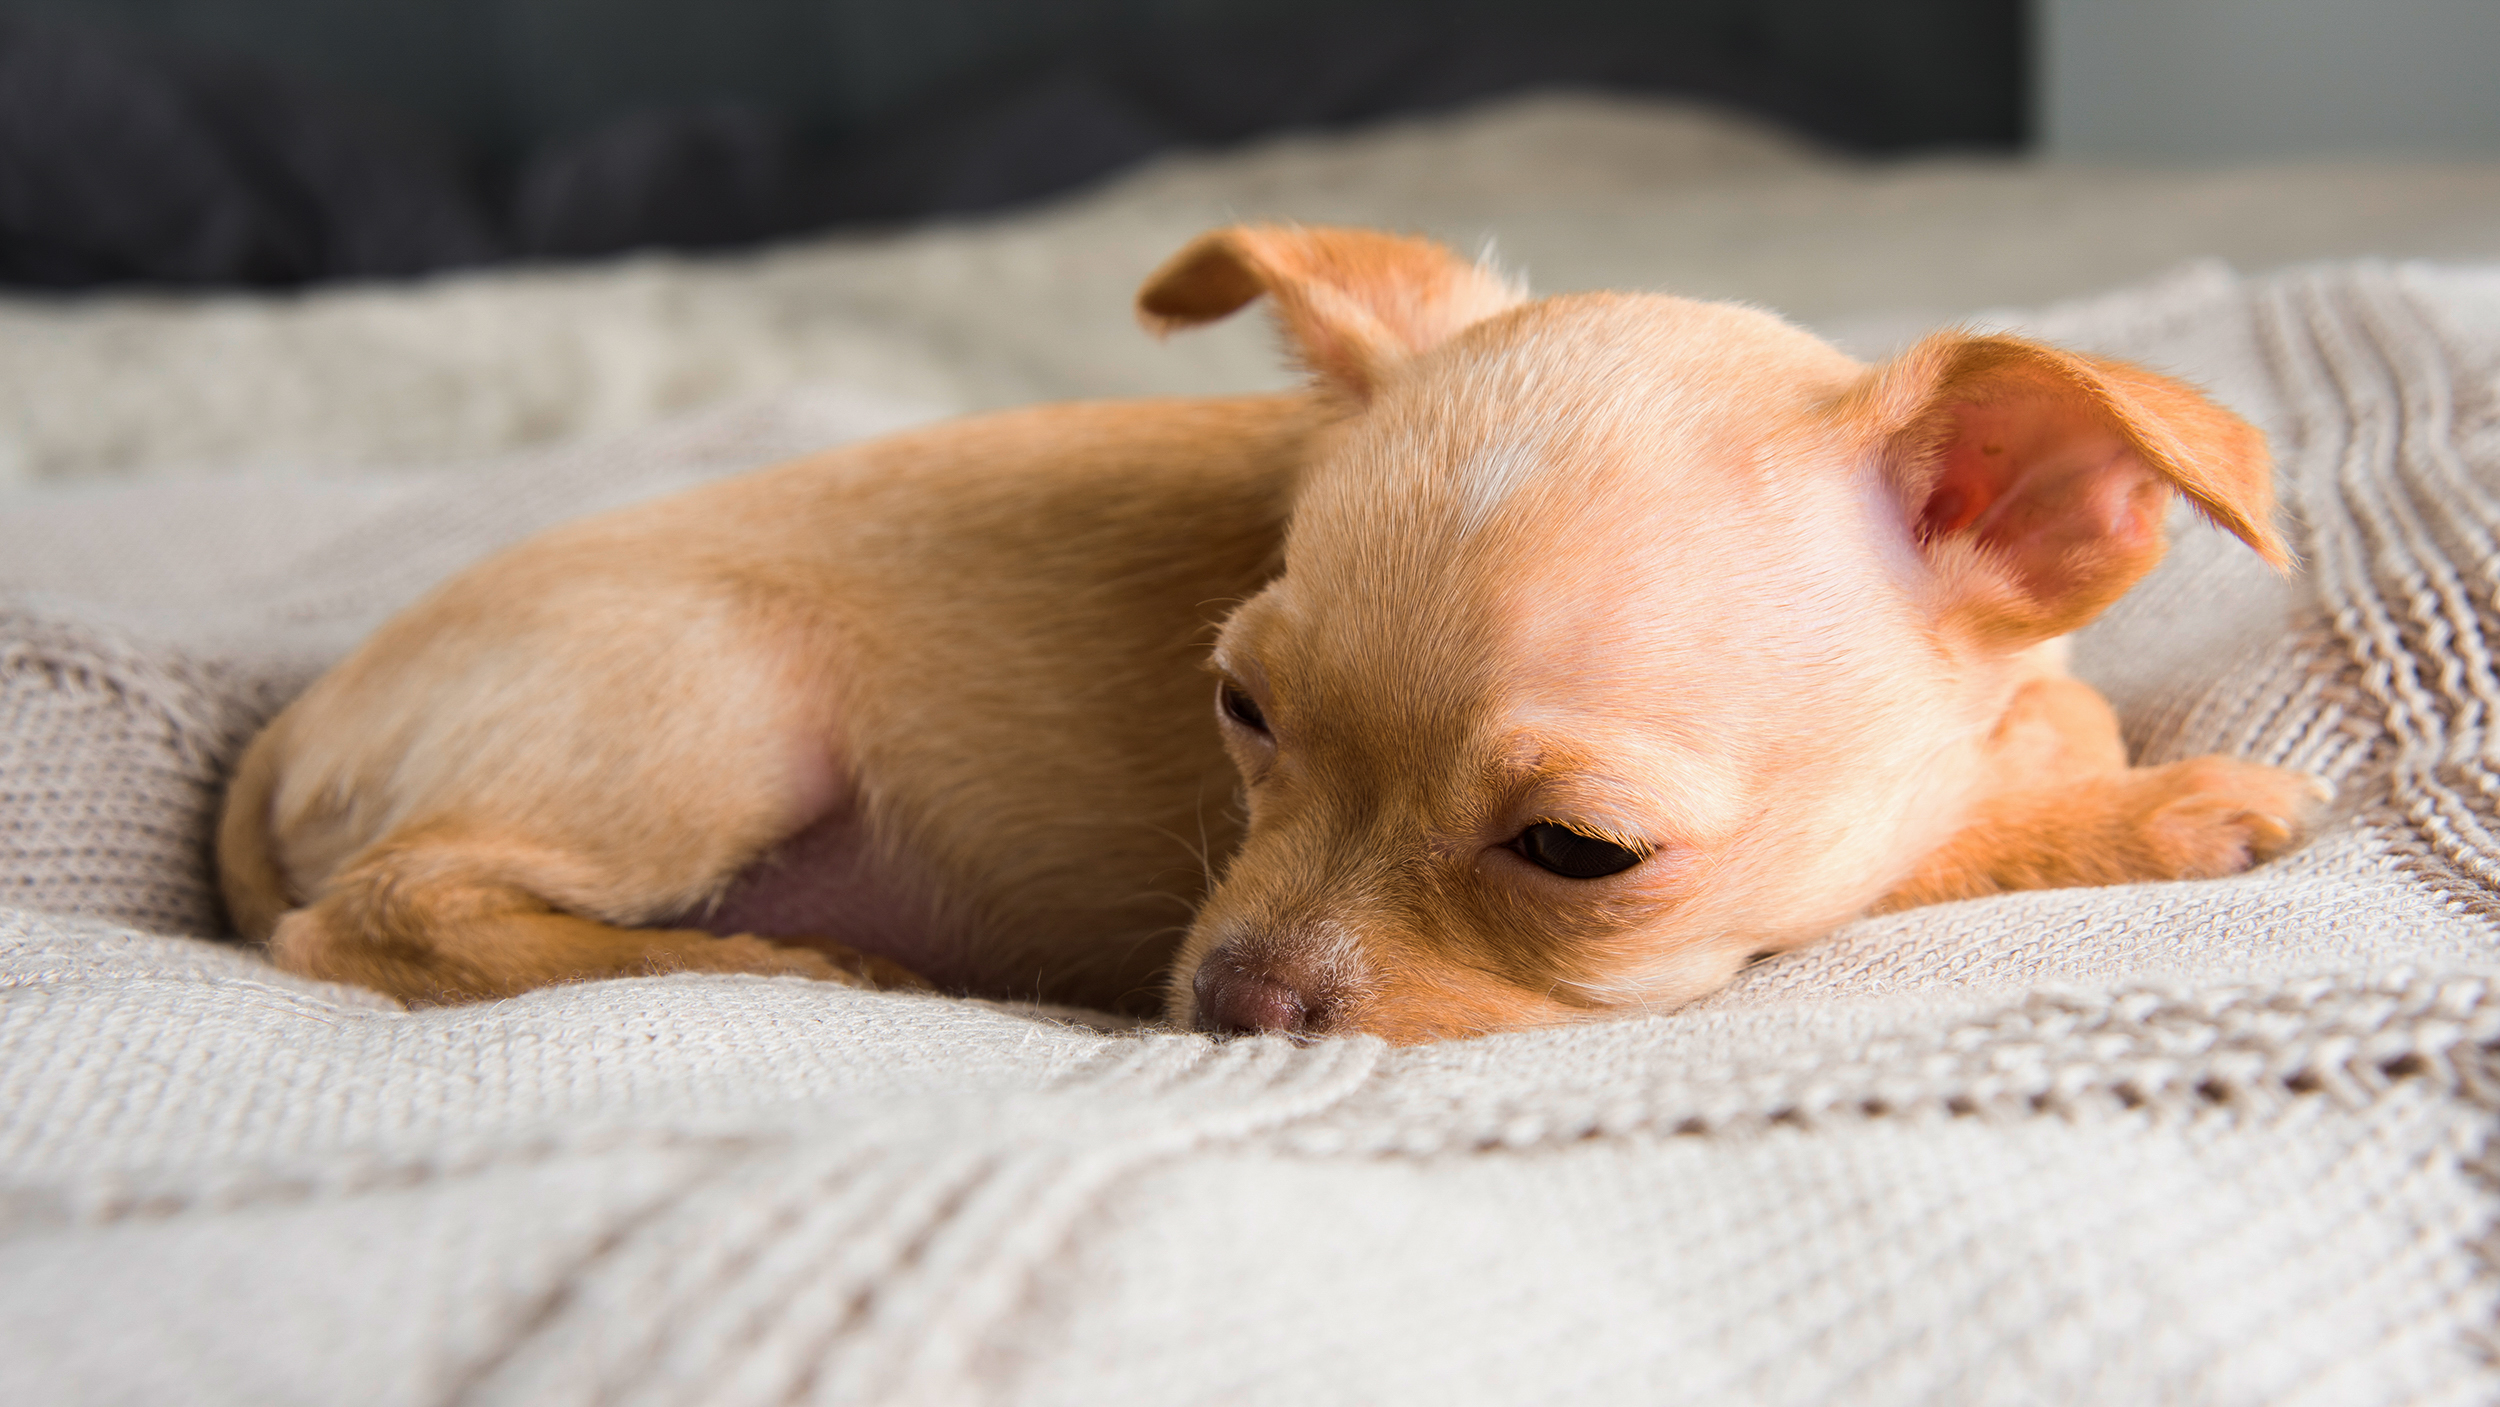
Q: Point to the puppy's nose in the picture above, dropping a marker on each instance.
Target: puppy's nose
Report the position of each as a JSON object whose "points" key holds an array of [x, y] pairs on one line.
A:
{"points": [[1236, 999]]}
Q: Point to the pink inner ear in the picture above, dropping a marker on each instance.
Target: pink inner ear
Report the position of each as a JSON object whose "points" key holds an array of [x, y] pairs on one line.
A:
{"points": [[2032, 479], [1968, 480]]}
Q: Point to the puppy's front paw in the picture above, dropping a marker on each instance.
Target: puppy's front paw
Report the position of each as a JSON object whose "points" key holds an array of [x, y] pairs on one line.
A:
{"points": [[2213, 816]]}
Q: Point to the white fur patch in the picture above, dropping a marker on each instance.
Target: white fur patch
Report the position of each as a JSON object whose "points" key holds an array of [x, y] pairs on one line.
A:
{"points": [[1488, 481]]}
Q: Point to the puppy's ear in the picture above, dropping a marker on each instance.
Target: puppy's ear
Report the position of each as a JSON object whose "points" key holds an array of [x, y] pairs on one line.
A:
{"points": [[1353, 303], [2035, 481]]}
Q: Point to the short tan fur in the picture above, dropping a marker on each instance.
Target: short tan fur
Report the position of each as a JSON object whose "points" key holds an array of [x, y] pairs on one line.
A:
{"points": [[1675, 580]]}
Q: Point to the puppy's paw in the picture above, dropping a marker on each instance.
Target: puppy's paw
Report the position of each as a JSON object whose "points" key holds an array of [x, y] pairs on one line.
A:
{"points": [[2214, 816], [821, 959], [868, 970]]}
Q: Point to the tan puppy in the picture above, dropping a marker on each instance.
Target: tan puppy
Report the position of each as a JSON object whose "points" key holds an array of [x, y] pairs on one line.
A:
{"points": [[1613, 640]]}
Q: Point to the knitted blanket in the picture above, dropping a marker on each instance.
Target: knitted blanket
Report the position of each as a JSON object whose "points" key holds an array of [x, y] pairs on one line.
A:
{"points": [[2218, 1142]]}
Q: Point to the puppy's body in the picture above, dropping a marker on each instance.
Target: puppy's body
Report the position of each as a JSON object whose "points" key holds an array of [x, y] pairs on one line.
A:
{"points": [[1612, 641], [934, 699]]}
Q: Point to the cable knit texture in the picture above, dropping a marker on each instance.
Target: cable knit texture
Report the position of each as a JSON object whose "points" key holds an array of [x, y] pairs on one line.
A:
{"points": [[2219, 1142]]}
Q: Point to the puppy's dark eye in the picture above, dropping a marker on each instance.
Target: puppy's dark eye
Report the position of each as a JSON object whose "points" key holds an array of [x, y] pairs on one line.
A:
{"points": [[1241, 708], [1572, 855]]}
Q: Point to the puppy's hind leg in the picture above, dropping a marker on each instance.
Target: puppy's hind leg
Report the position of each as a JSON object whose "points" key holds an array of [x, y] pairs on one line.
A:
{"points": [[443, 919]]}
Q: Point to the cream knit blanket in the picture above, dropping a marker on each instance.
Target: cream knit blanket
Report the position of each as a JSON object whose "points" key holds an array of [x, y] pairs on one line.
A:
{"points": [[2222, 1142]]}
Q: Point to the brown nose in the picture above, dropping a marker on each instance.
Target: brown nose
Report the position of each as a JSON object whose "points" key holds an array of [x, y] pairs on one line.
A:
{"points": [[1237, 998]]}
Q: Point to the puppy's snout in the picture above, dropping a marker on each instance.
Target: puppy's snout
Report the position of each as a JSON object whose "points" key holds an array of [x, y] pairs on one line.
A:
{"points": [[1239, 996]]}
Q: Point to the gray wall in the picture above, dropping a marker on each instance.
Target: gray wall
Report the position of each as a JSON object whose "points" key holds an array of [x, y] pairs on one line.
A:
{"points": [[2198, 80]]}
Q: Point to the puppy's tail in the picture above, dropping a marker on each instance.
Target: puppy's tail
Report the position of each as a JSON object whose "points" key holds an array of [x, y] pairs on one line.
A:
{"points": [[255, 889]]}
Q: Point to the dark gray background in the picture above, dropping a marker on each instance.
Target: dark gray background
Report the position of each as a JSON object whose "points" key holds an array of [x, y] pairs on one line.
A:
{"points": [[506, 75], [277, 142]]}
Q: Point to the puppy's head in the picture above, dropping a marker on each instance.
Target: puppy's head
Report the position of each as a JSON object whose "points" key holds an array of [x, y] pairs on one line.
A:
{"points": [[1621, 638]]}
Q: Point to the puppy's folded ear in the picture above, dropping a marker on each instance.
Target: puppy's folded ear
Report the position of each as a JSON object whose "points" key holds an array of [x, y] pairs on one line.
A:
{"points": [[2035, 481], [1353, 303]]}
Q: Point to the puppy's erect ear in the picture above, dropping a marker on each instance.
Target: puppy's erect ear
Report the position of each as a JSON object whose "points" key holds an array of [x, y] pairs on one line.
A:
{"points": [[2036, 481], [1354, 303]]}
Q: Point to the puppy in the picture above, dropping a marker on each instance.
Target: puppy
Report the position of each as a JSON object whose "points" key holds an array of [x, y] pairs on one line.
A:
{"points": [[1571, 653]]}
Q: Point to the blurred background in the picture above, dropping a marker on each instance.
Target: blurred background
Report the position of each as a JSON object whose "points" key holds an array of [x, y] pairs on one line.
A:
{"points": [[279, 141], [317, 234], [275, 141]]}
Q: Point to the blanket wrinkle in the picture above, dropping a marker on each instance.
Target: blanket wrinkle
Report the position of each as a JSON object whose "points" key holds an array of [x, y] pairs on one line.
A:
{"points": [[126, 810], [2408, 511], [2225, 1141], [854, 1277]]}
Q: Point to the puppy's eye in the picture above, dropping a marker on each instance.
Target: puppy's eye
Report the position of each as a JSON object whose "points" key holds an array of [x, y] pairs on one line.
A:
{"points": [[1241, 708], [1572, 855]]}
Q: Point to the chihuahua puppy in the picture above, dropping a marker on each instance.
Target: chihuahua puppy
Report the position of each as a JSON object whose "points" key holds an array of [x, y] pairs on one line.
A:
{"points": [[1571, 654]]}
